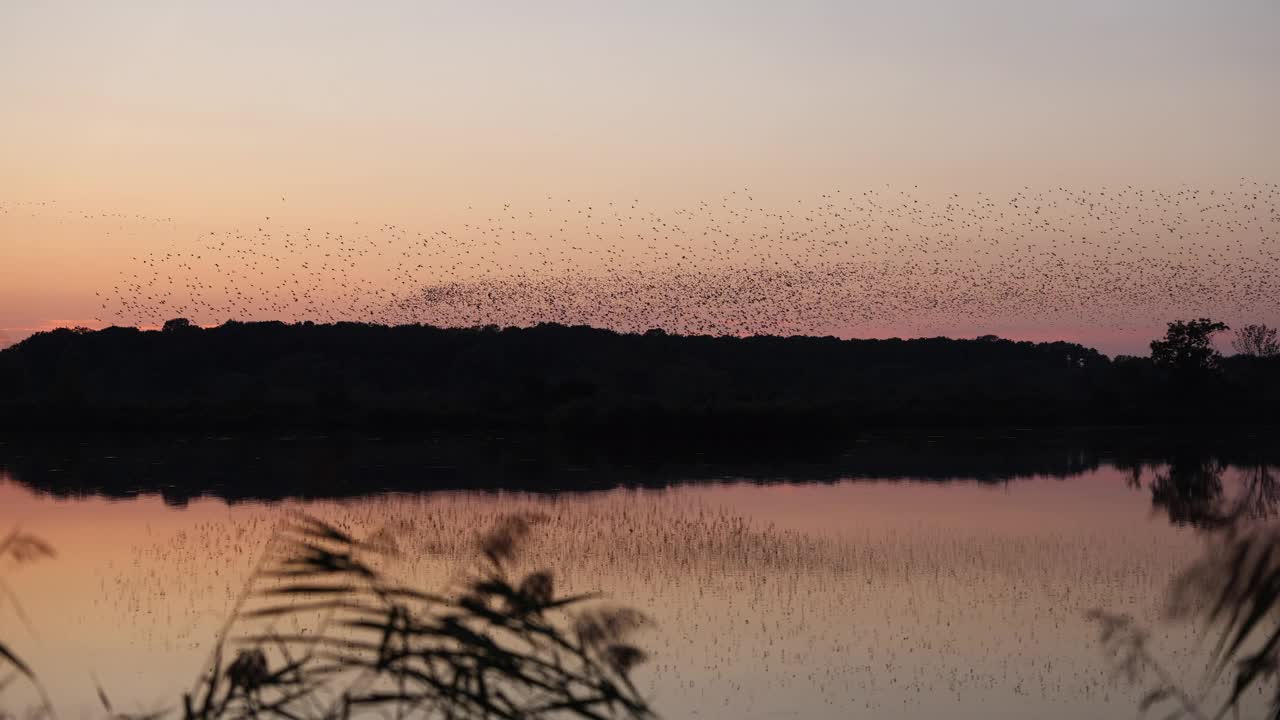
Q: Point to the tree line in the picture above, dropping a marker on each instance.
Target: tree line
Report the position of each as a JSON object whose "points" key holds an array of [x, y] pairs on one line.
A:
{"points": [[621, 387]]}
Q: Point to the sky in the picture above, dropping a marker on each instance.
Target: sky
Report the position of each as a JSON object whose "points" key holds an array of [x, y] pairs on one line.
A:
{"points": [[183, 118]]}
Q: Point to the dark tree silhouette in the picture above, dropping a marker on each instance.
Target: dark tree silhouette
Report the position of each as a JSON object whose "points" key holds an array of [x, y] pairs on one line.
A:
{"points": [[614, 387], [177, 325], [1187, 347], [747, 389], [1256, 341]]}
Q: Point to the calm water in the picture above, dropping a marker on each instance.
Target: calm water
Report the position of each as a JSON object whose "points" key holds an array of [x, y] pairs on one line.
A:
{"points": [[853, 598]]}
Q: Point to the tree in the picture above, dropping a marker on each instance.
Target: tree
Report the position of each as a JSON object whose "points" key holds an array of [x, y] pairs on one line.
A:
{"points": [[177, 325], [1188, 346], [1256, 341]]}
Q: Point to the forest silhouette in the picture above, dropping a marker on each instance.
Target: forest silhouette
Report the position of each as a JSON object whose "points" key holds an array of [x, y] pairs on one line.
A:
{"points": [[623, 388]]}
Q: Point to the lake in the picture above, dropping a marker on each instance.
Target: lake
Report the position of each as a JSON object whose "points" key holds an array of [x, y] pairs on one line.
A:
{"points": [[861, 586]]}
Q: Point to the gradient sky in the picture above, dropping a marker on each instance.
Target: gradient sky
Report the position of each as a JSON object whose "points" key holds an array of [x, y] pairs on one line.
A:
{"points": [[210, 112]]}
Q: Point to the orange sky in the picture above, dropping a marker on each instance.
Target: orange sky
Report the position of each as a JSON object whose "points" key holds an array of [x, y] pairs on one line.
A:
{"points": [[404, 112]]}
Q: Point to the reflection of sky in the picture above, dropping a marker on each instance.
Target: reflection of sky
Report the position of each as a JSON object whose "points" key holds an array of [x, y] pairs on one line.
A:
{"points": [[889, 599]]}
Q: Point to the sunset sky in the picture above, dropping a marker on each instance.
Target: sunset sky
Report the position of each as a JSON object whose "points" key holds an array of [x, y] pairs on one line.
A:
{"points": [[210, 115]]}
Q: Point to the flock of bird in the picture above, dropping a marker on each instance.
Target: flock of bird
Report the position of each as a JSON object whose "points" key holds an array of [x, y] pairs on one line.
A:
{"points": [[847, 263], [890, 607]]}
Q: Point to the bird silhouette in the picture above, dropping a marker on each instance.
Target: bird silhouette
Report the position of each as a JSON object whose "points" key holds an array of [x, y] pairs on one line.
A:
{"points": [[848, 263]]}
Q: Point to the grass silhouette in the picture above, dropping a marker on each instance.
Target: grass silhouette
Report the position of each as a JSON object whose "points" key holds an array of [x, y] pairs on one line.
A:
{"points": [[1234, 590], [319, 631], [20, 547]]}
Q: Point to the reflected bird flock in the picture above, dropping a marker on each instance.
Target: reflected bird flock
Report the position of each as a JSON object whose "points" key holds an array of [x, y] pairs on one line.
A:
{"points": [[892, 614]]}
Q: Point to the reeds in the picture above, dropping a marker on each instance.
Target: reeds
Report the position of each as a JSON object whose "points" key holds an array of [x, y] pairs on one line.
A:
{"points": [[21, 548], [320, 632], [500, 648], [1234, 589]]}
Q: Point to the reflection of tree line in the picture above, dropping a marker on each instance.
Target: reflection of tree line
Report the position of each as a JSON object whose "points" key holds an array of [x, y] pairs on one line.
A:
{"points": [[1192, 489], [265, 468], [1233, 590], [255, 467]]}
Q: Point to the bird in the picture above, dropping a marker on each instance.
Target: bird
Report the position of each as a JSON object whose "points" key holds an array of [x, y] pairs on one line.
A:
{"points": [[844, 262]]}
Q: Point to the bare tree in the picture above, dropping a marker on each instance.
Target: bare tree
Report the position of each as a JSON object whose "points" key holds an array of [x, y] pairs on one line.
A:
{"points": [[1257, 341]]}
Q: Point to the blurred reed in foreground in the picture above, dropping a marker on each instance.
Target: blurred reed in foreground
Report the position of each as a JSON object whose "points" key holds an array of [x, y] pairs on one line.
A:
{"points": [[319, 631]]}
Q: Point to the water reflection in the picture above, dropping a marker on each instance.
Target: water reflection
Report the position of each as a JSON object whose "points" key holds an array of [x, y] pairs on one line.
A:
{"points": [[321, 631], [1232, 591], [840, 598], [1193, 489], [237, 468]]}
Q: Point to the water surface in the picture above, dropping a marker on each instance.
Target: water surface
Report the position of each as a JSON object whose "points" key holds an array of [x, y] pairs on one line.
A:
{"points": [[864, 597]]}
